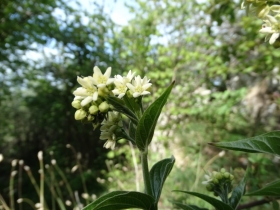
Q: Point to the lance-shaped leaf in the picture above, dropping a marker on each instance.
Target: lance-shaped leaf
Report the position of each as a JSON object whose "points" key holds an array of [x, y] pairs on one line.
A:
{"points": [[122, 200], [265, 143], [213, 201], [146, 126], [187, 207], [238, 192], [271, 189], [159, 173], [120, 106]]}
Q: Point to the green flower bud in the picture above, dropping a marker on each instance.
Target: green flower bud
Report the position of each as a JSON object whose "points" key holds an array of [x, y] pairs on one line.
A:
{"points": [[80, 114], [76, 104], [215, 181], [103, 92], [231, 177], [209, 187], [223, 170], [93, 110], [218, 176], [104, 107], [227, 175], [129, 94], [90, 118]]}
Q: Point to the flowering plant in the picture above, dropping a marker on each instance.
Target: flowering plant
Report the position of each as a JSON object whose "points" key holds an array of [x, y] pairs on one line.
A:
{"points": [[106, 102]]}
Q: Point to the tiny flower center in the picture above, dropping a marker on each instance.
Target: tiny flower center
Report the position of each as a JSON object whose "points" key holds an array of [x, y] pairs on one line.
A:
{"points": [[139, 89], [102, 79], [122, 88]]}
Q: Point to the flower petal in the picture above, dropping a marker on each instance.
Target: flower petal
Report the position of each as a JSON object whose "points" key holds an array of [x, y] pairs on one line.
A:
{"points": [[273, 38], [86, 101], [266, 30], [96, 71], [108, 72]]}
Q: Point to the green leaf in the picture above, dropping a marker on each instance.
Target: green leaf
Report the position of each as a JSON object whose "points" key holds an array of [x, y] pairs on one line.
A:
{"points": [[133, 104], [238, 192], [159, 173], [147, 123], [265, 143], [122, 200], [119, 106], [187, 207], [271, 189], [275, 205], [213, 201]]}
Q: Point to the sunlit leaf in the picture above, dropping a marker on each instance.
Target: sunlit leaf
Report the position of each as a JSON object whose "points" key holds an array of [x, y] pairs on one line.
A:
{"points": [[265, 143], [147, 123]]}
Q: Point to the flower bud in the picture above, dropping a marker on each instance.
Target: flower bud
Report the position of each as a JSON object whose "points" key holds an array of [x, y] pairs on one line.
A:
{"points": [[227, 175], [262, 10], [80, 114], [218, 176], [215, 181], [223, 170], [209, 187], [93, 109], [90, 118], [76, 104], [103, 92], [1, 157], [104, 107], [40, 155]]}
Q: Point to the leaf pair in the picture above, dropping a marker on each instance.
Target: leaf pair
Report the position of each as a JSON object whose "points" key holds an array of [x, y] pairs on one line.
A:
{"points": [[131, 199]]}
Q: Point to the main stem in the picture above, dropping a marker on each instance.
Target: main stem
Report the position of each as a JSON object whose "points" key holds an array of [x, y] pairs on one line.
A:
{"points": [[146, 174]]}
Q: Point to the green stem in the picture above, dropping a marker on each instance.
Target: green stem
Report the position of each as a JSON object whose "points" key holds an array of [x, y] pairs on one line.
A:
{"points": [[11, 190], [68, 187], [146, 173], [42, 180]]}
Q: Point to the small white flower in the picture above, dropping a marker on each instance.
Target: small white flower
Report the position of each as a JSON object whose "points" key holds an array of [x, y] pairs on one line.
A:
{"points": [[110, 144], [87, 93], [271, 28], [139, 86], [101, 80], [121, 84]]}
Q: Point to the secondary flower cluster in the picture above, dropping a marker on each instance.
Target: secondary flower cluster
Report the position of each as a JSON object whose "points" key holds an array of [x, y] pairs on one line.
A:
{"points": [[91, 104], [219, 182], [269, 13]]}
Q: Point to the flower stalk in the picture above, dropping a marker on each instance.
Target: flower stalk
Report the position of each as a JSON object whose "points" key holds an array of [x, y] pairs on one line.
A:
{"points": [[146, 174]]}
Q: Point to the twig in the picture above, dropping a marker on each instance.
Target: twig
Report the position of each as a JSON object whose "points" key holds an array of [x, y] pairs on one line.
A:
{"points": [[255, 203]]}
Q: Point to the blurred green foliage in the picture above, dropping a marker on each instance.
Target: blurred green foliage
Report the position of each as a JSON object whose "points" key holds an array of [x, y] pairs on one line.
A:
{"points": [[227, 85]]}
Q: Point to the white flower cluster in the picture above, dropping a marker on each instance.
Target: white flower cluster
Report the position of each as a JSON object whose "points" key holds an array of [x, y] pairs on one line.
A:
{"points": [[90, 99], [269, 13]]}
